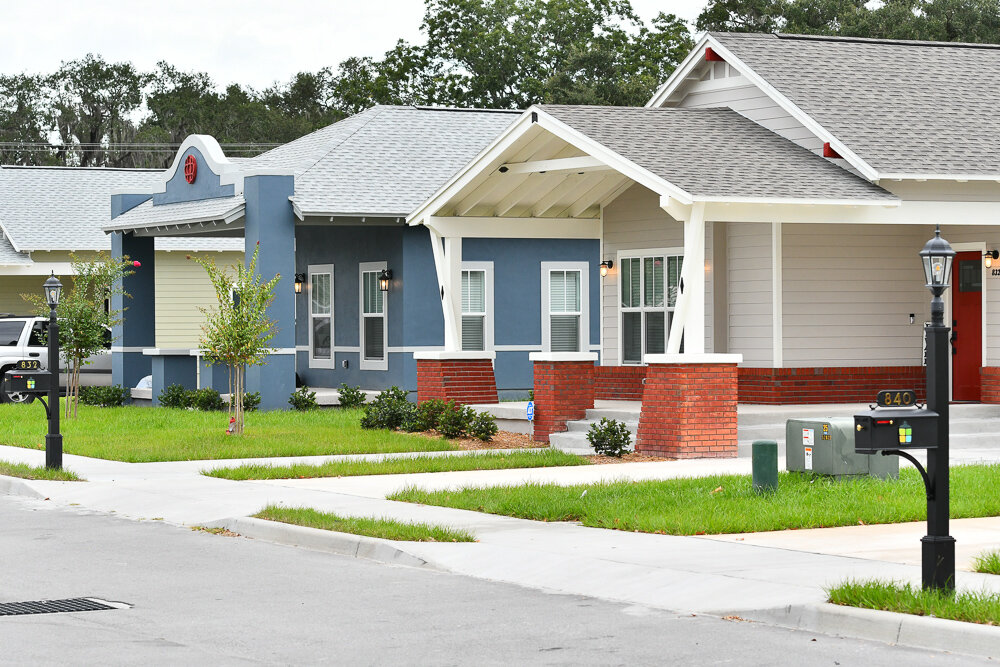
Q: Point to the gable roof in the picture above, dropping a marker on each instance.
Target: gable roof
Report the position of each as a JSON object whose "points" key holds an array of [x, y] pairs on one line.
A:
{"points": [[716, 154], [904, 107], [64, 208], [384, 161]]}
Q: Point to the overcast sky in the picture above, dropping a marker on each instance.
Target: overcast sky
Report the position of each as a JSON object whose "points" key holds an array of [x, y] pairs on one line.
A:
{"points": [[254, 42]]}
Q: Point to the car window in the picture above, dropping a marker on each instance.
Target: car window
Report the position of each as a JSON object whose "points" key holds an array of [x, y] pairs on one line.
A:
{"points": [[38, 330], [10, 332]]}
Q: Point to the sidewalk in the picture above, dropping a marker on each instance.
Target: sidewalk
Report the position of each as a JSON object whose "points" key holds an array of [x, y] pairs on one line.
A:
{"points": [[770, 576]]}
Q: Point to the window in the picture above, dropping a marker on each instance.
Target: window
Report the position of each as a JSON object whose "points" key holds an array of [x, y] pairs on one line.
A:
{"points": [[477, 306], [565, 320], [649, 283], [10, 332], [321, 353], [373, 330]]}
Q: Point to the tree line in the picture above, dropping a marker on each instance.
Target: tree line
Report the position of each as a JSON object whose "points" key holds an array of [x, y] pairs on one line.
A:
{"points": [[477, 53]]}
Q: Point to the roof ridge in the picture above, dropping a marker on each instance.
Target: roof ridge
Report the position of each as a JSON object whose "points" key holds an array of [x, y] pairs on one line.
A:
{"points": [[68, 168], [377, 111], [859, 40]]}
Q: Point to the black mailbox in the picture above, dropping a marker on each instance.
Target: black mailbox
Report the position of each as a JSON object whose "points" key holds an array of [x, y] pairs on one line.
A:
{"points": [[900, 428], [27, 381]]}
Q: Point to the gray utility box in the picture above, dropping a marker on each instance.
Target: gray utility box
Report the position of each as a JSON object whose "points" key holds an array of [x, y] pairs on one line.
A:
{"points": [[826, 447]]}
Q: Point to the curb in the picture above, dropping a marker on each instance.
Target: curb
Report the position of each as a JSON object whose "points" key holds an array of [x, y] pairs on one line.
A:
{"points": [[345, 544], [885, 626], [14, 486]]}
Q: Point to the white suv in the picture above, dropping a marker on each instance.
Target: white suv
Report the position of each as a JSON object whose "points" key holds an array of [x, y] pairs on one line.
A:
{"points": [[21, 338]]}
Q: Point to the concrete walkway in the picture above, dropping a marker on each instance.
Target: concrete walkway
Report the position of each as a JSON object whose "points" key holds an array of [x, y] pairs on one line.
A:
{"points": [[764, 575]]}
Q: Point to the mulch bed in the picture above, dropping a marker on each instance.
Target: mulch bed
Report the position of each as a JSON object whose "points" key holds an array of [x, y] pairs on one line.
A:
{"points": [[502, 440], [632, 457]]}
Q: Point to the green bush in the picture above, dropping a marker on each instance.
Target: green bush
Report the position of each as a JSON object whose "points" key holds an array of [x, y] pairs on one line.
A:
{"points": [[175, 396], [303, 399], [251, 401], [351, 397], [105, 397], [207, 399], [390, 410], [455, 420], [610, 437], [411, 421], [428, 414], [483, 426]]}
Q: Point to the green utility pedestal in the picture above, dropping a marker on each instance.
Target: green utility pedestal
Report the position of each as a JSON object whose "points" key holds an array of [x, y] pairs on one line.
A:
{"points": [[765, 466]]}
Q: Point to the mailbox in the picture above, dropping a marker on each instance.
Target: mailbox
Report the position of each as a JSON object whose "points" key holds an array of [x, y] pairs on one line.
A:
{"points": [[27, 377], [895, 428]]}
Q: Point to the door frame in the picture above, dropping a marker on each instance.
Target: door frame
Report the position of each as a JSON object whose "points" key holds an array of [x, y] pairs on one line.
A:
{"points": [[971, 246]]}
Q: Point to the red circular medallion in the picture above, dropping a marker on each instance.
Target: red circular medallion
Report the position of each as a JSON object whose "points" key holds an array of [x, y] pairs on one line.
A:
{"points": [[190, 169]]}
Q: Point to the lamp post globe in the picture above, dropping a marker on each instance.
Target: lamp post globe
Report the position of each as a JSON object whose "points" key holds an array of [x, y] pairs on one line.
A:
{"points": [[53, 290]]}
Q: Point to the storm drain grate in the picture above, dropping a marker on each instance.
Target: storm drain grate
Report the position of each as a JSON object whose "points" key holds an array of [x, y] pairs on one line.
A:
{"points": [[52, 606]]}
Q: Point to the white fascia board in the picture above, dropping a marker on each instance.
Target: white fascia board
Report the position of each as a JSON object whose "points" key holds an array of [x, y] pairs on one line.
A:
{"points": [[939, 177], [801, 201], [36, 269], [578, 164], [680, 74], [227, 219], [620, 164], [473, 169], [10, 239]]}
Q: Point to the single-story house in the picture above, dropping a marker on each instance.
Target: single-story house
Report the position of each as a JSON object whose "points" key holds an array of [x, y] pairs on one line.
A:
{"points": [[749, 235]]}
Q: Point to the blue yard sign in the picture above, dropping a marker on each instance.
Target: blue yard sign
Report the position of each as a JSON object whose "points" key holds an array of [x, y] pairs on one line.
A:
{"points": [[531, 411]]}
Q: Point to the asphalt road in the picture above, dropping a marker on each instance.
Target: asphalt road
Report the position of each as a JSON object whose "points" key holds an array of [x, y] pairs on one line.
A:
{"points": [[206, 599]]}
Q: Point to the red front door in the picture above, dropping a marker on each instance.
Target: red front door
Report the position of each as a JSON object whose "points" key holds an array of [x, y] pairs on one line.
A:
{"points": [[967, 325]]}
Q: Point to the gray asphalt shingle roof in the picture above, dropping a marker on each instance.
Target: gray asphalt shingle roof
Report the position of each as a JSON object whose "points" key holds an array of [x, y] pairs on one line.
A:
{"points": [[65, 208], [903, 107], [387, 160], [10, 256], [715, 153], [201, 210]]}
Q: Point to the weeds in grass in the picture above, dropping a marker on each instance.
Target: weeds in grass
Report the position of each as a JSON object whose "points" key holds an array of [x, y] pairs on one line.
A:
{"points": [[969, 606], [987, 562], [25, 471], [386, 529]]}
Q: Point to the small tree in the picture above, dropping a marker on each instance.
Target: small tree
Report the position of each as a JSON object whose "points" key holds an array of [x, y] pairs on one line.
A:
{"points": [[85, 314], [238, 331]]}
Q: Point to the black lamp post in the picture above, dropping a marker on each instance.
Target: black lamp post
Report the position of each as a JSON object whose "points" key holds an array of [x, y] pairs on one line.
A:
{"points": [[53, 441], [938, 547]]}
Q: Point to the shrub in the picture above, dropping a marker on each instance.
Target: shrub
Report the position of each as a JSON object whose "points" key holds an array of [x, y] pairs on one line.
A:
{"points": [[105, 397], [429, 412], [351, 397], [303, 399], [206, 399], [174, 396], [609, 437], [251, 401], [483, 426], [389, 410], [411, 420], [454, 421]]}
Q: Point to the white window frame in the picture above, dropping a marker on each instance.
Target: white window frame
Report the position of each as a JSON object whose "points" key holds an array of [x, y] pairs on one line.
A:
{"points": [[667, 309], [487, 269], [321, 269], [584, 269], [372, 364]]}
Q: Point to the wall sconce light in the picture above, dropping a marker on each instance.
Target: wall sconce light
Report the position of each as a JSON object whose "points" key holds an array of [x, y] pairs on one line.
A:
{"points": [[606, 266], [299, 279], [989, 256], [384, 278]]}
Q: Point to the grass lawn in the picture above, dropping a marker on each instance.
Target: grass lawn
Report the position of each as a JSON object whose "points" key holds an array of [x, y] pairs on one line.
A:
{"points": [[398, 465], [987, 562], [387, 529], [972, 607], [24, 471], [140, 434], [727, 503]]}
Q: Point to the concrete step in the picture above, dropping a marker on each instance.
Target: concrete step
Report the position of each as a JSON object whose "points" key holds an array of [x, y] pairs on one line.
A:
{"points": [[622, 415], [575, 442], [584, 425]]}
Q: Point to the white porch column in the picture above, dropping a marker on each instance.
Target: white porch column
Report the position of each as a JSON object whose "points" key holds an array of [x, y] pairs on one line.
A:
{"points": [[448, 265], [689, 314]]}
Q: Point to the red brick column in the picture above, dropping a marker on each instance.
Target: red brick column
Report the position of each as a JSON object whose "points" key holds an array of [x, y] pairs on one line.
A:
{"points": [[689, 406], [989, 378], [464, 377], [619, 383], [564, 390]]}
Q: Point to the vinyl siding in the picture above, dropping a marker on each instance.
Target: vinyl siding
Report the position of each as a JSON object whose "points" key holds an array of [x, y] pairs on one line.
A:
{"points": [[635, 221], [749, 292], [11, 289], [182, 286]]}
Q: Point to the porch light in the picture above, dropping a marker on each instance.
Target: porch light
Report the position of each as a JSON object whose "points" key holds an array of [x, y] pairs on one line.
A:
{"points": [[384, 278], [989, 256], [936, 256], [606, 266], [299, 279], [53, 289]]}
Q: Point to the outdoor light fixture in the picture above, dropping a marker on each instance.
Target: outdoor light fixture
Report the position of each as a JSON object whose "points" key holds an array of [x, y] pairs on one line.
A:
{"points": [[383, 279], [299, 279], [53, 289], [989, 256], [936, 256], [606, 266]]}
